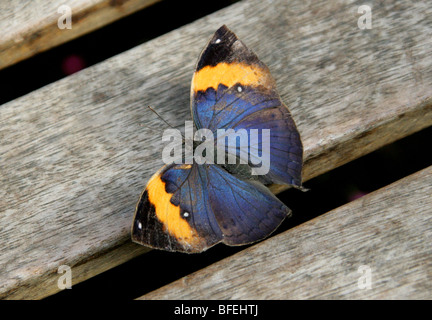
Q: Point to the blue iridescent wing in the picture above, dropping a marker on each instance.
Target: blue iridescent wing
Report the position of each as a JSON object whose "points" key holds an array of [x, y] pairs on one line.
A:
{"points": [[233, 89], [189, 208], [245, 210]]}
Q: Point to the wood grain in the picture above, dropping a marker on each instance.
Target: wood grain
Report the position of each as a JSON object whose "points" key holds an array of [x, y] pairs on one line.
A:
{"points": [[387, 232], [76, 154], [30, 27]]}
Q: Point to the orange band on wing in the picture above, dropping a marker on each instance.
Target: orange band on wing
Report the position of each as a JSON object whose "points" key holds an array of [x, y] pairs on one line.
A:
{"points": [[167, 213], [227, 74]]}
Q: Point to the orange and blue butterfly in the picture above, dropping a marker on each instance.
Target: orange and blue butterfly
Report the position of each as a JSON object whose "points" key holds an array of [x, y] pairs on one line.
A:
{"points": [[191, 207]]}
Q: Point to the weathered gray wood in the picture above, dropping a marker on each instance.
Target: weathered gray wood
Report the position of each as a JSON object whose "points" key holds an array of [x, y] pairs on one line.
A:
{"points": [[387, 232], [30, 27], [76, 154]]}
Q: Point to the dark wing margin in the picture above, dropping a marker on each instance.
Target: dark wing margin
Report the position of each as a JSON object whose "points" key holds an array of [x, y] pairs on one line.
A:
{"points": [[174, 213], [224, 46]]}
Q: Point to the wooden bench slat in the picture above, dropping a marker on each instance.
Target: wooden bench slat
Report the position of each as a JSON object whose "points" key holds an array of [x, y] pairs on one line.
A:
{"points": [[76, 154], [30, 27], [386, 233]]}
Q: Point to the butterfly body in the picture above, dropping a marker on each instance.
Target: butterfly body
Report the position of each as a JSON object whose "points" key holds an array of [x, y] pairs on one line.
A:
{"points": [[191, 207]]}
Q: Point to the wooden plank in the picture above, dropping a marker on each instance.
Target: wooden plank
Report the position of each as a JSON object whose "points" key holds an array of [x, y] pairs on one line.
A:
{"points": [[383, 239], [30, 27], [76, 154]]}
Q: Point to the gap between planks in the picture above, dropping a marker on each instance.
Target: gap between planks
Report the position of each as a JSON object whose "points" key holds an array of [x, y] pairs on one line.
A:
{"points": [[30, 27]]}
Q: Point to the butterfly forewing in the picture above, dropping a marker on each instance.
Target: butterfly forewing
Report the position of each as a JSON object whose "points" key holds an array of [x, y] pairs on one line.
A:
{"points": [[233, 89]]}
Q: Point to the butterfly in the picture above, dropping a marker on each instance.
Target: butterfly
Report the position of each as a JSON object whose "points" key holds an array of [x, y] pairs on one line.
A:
{"points": [[192, 207]]}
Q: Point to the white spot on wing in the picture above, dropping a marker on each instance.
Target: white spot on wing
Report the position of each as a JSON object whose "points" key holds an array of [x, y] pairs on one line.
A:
{"points": [[139, 225], [218, 41], [239, 89]]}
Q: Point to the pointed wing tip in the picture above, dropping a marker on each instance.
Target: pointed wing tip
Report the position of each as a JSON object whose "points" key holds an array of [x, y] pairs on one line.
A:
{"points": [[223, 28], [224, 32]]}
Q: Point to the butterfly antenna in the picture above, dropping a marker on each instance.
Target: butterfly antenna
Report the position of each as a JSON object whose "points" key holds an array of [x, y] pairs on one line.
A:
{"points": [[161, 118]]}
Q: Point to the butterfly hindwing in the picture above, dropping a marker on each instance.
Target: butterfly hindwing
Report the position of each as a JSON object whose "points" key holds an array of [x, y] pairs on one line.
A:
{"points": [[246, 210]]}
